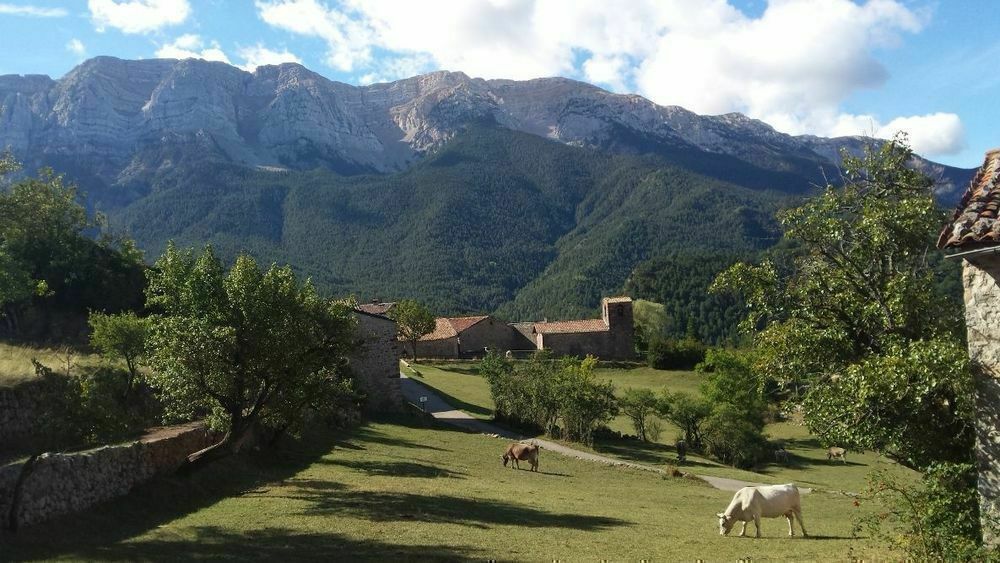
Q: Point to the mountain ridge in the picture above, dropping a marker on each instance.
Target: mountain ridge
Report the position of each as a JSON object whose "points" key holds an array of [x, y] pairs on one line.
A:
{"points": [[287, 116]]}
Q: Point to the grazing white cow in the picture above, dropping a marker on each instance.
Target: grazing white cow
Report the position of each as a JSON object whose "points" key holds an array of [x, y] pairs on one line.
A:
{"points": [[836, 453], [754, 503]]}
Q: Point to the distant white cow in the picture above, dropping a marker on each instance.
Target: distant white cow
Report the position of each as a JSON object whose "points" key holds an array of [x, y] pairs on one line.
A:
{"points": [[754, 503]]}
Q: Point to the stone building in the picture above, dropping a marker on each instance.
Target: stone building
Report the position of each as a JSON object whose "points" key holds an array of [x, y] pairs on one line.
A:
{"points": [[974, 233], [375, 360], [465, 337], [610, 337]]}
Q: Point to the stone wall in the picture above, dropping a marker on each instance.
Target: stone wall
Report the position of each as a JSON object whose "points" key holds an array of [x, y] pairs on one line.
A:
{"points": [[440, 348], [376, 362], [63, 483], [982, 319], [18, 414], [488, 333]]}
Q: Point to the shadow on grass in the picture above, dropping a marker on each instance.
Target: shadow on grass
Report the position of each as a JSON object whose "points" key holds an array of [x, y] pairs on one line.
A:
{"points": [[636, 450], [474, 512], [269, 544], [455, 402], [99, 532], [396, 468]]}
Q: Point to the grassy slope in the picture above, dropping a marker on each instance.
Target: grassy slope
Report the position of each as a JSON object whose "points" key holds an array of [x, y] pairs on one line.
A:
{"points": [[403, 491], [16, 367], [809, 465]]}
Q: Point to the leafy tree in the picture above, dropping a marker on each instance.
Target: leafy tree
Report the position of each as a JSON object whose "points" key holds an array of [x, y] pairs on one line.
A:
{"points": [[730, 381], [121, 337], [860, 317], [251, 348], [687, 413], [415, 320], [639, 405], [729, 438]]}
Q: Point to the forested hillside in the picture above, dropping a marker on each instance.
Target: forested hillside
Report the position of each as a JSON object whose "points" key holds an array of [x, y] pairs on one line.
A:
{"points": [[495, 221]]}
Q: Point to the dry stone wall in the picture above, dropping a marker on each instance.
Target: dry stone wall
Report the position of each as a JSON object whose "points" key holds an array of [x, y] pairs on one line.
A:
{"points": [[63, 483], [18, 413]]}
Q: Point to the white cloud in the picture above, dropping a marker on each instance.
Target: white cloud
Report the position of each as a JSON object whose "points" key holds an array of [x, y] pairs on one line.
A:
{"points": [[137, 16], [30, 10], [259, 55], [76, 47], [931, 134], [190, 46], [794, 65]]}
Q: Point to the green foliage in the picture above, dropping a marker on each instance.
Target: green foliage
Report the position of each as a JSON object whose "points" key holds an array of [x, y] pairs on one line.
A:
{"points": [[683, 354], [50, 266], [861, 317], [913, 402], [250, 347], [560, 397], [120, 337], [730, 381], [414, 321], [640, 404], [688, 413], [730, 437], [936, 520]]}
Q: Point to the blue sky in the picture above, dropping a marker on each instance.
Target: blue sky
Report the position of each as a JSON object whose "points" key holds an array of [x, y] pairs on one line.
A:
{"points": [[825, 67]]}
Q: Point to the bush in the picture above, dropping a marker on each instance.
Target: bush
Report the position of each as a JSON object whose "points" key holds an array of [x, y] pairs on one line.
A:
{"points": [[937, 520], [731, 438], [558, 397], [675, 354], [687, 413]]}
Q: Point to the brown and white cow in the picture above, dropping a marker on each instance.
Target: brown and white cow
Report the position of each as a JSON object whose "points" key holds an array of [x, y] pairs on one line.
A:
{"points": [[521, 452], [765, 501], [835, 453]]}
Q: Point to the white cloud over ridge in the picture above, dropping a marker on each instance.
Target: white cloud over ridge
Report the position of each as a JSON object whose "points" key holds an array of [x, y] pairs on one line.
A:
{"points": [[191, 46], [137, 16], [76, 47], [31, 11], [793, 66], [259, 55]]}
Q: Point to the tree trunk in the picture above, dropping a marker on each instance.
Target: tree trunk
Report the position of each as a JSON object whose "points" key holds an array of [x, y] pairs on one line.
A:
{"points": [[15, 504], [234, 441]]}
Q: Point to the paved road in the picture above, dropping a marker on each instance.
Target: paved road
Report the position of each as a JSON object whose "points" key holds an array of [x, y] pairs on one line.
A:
{"points": [[441, 410]]}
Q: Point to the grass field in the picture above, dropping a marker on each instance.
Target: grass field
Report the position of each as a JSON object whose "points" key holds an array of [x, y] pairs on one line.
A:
{"points": [[16, 367], [401, 490], [808, 466]]}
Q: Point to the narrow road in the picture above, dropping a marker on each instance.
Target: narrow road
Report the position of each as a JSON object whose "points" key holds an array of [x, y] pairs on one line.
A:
{"points": [[441, 410]]}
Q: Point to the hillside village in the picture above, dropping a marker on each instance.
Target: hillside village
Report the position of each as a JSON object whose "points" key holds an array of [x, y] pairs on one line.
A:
{"points": [[254, 310]]}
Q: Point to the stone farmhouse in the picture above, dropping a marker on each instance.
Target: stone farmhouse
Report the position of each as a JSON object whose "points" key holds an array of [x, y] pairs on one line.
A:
{"points": [[975, 233], [375, 360], [609, 337]]}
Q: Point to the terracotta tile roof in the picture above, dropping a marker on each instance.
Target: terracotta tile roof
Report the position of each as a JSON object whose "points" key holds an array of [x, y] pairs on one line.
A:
{"points": [[975, 221], [376, 308], [449, 327], [462, 323], [567, 327], [622, 299]]}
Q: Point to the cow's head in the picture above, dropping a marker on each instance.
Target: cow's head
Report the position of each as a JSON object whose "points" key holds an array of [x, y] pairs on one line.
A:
{"points": [[505, 459], [725, 523]]}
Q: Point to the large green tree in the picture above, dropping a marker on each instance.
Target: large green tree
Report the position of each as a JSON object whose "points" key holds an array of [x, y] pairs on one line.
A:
{"points": [[414, 320], [251, 348], [859, 319]]}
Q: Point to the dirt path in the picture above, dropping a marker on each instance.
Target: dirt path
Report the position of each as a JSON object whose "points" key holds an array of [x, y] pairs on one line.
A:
{"points": [[440, 410]]}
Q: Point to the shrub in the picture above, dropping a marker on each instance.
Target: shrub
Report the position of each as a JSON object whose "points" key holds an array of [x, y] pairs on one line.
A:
{"points": [[687, 413], [675, 354], [731, 438], [935, 520]]}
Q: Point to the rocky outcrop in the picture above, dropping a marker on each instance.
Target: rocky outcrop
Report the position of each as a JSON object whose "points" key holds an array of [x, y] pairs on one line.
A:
{"points": [[288, 116]]}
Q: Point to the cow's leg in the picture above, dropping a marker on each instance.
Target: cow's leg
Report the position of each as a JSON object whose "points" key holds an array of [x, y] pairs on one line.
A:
{"points": [[516, 464], [743, 532], [798, 516], [756, 523], [791, 531]]}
